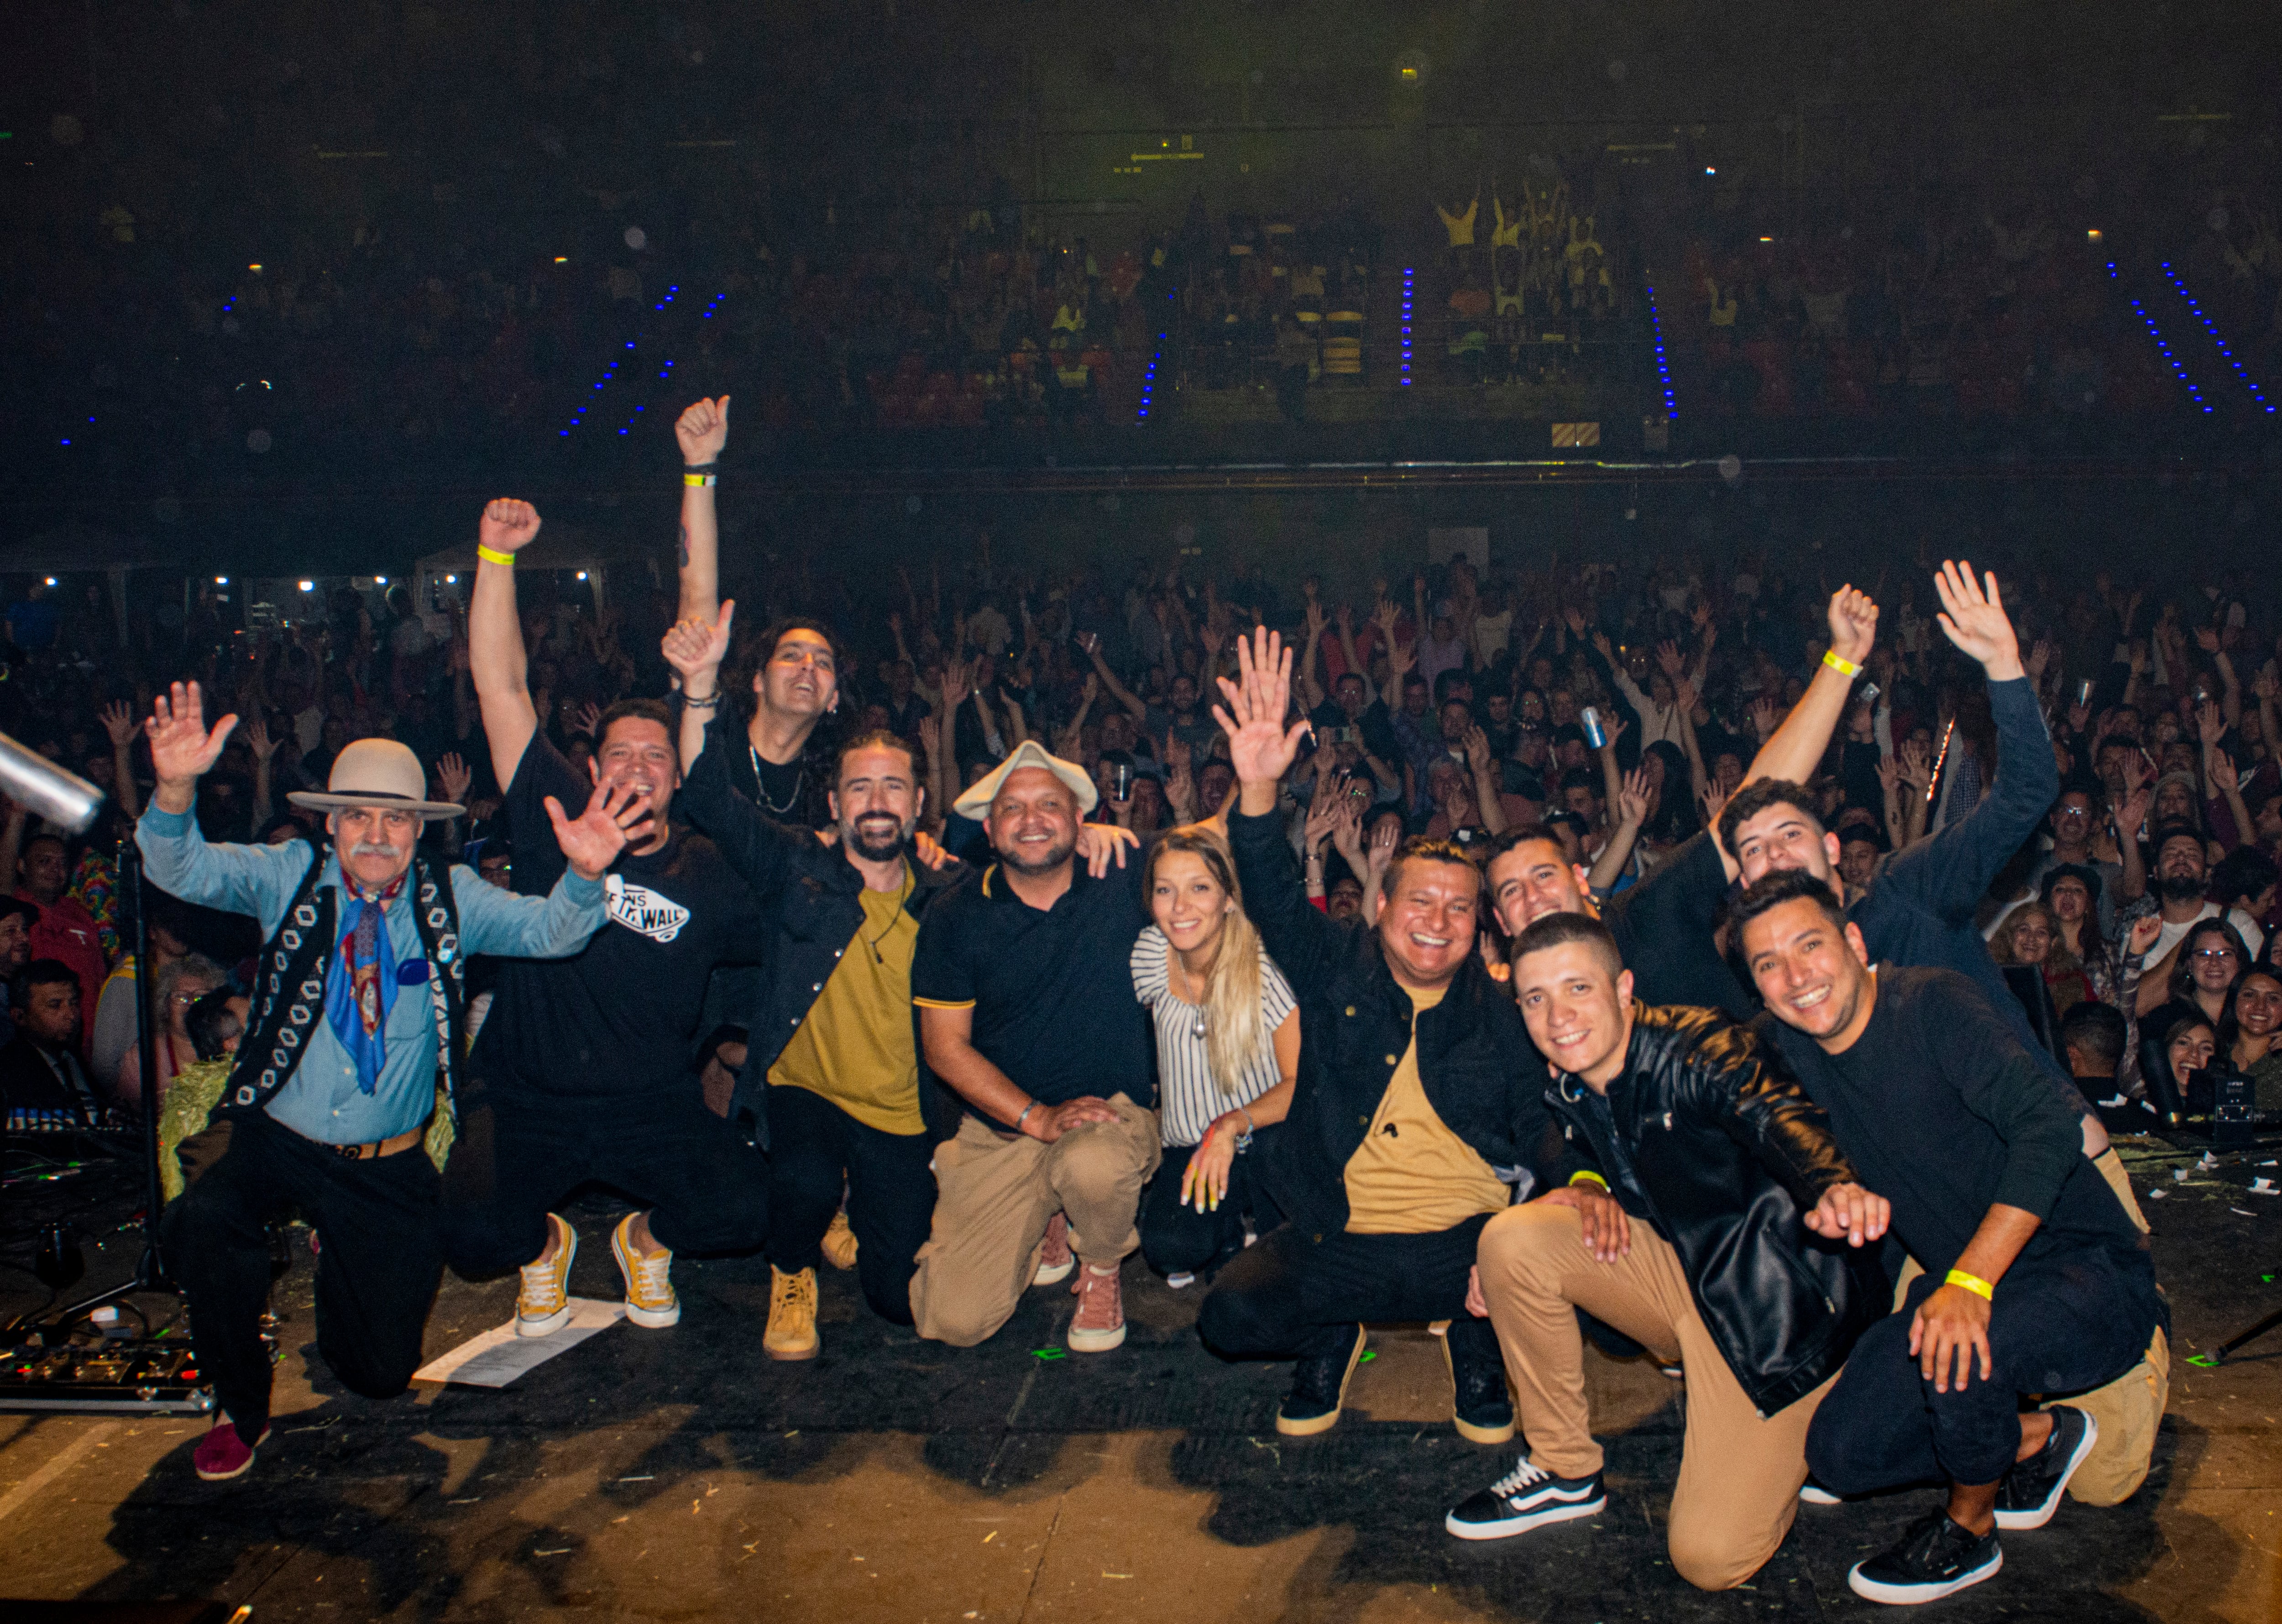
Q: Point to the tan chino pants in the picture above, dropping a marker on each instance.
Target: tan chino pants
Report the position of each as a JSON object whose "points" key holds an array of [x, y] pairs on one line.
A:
{"points": [[995, 1194], [1739, 1474]]}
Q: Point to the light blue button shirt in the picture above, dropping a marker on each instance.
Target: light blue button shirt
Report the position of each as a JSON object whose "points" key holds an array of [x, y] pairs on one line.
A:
{"points": [[322, 1100]]}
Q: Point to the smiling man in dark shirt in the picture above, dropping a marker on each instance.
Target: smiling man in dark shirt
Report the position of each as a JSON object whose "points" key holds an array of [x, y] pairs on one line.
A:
{"points": [[1024, 985], [582, 1069], [2037, 1280]]}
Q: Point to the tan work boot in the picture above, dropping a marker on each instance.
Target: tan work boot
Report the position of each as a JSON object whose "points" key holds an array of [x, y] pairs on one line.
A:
{"points": [[791, 1316], [840, 1243], [1099, 1325]]}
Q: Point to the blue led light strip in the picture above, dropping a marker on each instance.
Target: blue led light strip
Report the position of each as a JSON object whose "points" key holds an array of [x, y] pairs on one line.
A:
{"points": [[1407, 274], [2225, 353], [1663, 365], [2164, 347], [1149, 378]]}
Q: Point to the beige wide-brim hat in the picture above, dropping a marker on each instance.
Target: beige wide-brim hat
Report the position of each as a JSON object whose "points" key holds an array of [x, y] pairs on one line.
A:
{"points": [[377, 773], [975, 803]]}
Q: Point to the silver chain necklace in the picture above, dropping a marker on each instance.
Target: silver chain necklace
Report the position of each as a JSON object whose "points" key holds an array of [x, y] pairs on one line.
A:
{"points": [[760, 785]]}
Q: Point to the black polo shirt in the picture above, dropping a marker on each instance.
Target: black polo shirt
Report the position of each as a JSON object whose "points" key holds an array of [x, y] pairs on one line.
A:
{"points": [[1052, 988]]}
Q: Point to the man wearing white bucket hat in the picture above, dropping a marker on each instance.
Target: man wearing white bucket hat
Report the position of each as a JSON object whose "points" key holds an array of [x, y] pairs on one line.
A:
{"points": [[357, 1006]]}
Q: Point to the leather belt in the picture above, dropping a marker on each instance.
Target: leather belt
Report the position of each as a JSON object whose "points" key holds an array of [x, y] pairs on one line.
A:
{"points": [[375, 1148]]}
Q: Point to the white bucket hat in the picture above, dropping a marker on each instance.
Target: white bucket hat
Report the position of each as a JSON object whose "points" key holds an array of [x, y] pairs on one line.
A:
{"points": [[377, 773], [976, 802]]}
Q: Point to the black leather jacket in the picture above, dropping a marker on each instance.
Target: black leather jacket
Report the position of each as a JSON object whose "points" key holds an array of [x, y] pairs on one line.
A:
{"points": [[1727, 1152], [1475, 1061], [814, 901]]}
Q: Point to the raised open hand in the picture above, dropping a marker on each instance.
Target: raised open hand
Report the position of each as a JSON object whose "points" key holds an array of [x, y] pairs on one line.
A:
{"points": [[1713, 800], [1631, 798], [1916, 764], [1322, 814], [181, 749], [452, 777], [1259, 746], [2138, 771], [1853, 621], [1668, 659], [2040, 654], [584, 718], [1889, 773], [258, 738], [614, 819], [1384, 839], [1399, 659], [118, 722], [2224, 777], [507, 526], [702, 430], [697, 647], [1476, 745], [1346, 830], [1972, 617], [1384, 616], [2210, 722], [1765, 717], [957, 678], [1317, 620]]}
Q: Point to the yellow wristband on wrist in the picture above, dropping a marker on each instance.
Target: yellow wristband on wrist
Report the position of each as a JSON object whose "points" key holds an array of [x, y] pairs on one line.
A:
{"points": [[698, 479], [1586, 1176], [1840, 664], [1973, 1283], [492, 554]]}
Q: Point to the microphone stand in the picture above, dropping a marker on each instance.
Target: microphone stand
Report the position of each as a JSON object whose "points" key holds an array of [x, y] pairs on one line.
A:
{"points": [[150, 1269]]}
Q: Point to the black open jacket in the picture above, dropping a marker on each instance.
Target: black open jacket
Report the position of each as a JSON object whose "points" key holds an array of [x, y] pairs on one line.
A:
{"points": [[813, 896], [1730, 1152], [1475, 1059]]}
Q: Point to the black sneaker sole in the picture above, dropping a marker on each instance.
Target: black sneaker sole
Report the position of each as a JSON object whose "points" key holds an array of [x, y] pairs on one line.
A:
{"points": [[1307, 1427], [1544, 1516], [1914, 1595], [2037, 1516]]}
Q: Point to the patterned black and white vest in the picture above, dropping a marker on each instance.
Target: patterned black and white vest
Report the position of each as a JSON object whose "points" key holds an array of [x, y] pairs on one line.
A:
{"points": [[289, 990]]}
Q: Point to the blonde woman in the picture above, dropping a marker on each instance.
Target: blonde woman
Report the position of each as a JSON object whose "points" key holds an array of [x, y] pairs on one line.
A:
{"points": [[1228, 1049]]}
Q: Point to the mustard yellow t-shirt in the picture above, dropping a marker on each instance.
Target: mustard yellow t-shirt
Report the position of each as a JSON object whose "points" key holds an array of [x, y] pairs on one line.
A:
{"points": [[1411, 1174], [855, 1047]]}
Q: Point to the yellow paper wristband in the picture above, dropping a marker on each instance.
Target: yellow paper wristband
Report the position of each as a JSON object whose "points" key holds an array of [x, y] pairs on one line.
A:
{"points": [[1973, 1283], [1840, 664], [492, 554], [698, 479], [1582, 1174]]}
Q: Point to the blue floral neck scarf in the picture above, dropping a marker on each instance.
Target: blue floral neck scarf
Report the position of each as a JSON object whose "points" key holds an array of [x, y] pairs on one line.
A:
{"points": [[361, 988]]}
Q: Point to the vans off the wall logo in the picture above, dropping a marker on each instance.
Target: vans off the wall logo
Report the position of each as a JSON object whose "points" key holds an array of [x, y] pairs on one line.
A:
{"points": [[639, 908]]}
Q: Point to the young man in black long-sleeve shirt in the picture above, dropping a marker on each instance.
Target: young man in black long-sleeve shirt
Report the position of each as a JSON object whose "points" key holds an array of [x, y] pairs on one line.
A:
{"points": [[2036, 1280]]}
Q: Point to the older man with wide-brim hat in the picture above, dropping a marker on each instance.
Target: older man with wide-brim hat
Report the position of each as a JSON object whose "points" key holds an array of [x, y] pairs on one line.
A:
{"points": [[357, 1013]]}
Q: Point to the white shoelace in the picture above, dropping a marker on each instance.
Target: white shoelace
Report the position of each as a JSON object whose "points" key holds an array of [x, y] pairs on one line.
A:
{"points": [[541, 1290], [1524, 1476], [653, 1275]]}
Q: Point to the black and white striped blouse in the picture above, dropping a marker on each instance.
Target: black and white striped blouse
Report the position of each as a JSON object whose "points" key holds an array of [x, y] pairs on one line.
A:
{"points": [[1187, 1098]]}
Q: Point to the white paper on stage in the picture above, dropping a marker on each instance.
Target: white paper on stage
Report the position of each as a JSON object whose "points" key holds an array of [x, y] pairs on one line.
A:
{"points": [[499, 1355]]}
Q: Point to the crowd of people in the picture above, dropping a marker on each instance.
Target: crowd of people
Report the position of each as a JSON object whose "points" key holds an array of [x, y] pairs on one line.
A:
{"points": [[1756, 968]]}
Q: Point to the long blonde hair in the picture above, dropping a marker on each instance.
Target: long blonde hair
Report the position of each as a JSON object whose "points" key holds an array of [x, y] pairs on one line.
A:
{"points": [[1235, 1035]]}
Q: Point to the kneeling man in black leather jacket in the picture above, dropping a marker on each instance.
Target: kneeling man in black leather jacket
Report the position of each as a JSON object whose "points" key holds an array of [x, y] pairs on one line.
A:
{"points": [[1707, 1169]]}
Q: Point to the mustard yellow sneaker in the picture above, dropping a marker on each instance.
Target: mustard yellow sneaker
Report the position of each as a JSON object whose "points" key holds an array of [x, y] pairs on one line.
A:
{"points": [[840, 1243], [542, 1305], [792, 1315], [650, 1301]]}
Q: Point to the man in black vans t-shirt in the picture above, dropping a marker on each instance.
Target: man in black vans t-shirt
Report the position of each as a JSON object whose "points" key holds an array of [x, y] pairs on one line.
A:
{"points": [[581, 1072]]}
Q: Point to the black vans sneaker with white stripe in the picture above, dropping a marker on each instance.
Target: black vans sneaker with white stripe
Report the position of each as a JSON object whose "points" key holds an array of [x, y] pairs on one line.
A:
{"points": [[1526, 1497], [2031, 1491], [1934, 1558]]}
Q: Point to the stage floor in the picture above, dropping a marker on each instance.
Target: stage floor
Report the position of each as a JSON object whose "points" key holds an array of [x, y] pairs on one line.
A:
{"points": [[678, 1474]]}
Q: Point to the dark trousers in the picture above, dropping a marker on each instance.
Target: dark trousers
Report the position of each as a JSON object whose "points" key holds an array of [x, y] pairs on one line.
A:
{"points": [[516, 1159], [2063, 1323], [814, 1148], [377, 1269], [1179, 1240], [1298, 1296]]}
